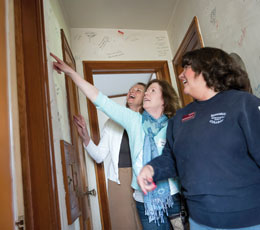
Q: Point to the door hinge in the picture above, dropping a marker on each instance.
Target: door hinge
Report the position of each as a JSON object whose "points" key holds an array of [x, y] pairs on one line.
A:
{"points": [[20, 223]]}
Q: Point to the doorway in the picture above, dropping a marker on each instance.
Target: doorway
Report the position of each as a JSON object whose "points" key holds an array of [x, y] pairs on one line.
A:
{"points": [[159, 68]]}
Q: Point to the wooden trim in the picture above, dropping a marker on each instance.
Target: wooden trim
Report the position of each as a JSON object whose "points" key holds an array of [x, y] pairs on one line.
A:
{"points": [[118, 95], [126, 66], [6, 193], [37, 151], [150, 78], [73, 109], [192, 31], [192, 40], [28, 207], [93, 67], [68, 58], [99, 168], [107, 67], [122, 72], [196, 23]]}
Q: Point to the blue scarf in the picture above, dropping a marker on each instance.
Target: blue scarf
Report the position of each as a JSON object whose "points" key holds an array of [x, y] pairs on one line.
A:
{"points": [[157, 201]]}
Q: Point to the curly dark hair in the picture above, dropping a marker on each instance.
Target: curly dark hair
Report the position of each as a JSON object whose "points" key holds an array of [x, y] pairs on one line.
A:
{"points": [[170, 97], [218, 68]]}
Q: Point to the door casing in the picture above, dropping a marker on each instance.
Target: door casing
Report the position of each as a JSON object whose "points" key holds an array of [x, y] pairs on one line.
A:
{"points": [[81, 207], [192, 40], [94, 67], [36, 139], [6, 193]]}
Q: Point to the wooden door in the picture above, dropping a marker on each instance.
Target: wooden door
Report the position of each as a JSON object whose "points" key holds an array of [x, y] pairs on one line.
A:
{"points": [[192, 40], [73, 158], [6, 192]]}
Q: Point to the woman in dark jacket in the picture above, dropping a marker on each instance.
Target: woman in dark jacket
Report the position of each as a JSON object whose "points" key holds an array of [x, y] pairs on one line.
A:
{"points": [[213, 145]]}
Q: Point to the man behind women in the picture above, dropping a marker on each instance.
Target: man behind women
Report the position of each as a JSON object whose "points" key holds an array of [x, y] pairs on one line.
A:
{"points": [[213, 145], [114, 147], [147, 137]]}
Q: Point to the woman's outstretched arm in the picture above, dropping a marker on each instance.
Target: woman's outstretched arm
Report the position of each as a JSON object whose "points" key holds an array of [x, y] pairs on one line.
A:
{"points": [[88, 89], [116, 112]]}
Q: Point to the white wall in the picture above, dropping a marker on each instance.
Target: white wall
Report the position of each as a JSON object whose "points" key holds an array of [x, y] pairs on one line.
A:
{"points": [[108, 45], [54, 21], [231, 25]]}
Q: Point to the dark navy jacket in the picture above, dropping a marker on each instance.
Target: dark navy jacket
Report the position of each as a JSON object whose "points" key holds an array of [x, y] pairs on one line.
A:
{"points": [[214, 148]]}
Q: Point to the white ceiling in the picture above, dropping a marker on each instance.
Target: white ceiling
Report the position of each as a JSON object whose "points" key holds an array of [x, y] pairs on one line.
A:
{"points": [[119, 14], [120, 83]]}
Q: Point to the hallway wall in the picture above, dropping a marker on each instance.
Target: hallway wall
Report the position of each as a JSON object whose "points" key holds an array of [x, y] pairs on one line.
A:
{"points": [[230, 25], [54, 21]]}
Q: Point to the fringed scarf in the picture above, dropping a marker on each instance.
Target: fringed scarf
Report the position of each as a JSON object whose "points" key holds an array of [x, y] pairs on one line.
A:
{"points": [[157, 201]]}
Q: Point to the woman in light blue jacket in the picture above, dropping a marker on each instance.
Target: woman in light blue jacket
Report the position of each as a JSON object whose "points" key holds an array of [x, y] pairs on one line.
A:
{"points": [[147, 137]]}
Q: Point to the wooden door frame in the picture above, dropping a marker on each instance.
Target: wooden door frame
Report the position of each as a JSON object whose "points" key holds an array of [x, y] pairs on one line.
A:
{"points": [[36, 138], [6, 193], [76, 143], [192, 40], [97, 67]]}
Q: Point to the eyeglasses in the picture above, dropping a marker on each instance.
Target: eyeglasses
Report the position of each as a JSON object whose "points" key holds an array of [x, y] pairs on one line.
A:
{"points": [[135, 89]]}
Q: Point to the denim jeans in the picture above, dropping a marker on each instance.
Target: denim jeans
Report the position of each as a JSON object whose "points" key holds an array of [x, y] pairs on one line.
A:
{"points": [[196, 226], [153, 226]]}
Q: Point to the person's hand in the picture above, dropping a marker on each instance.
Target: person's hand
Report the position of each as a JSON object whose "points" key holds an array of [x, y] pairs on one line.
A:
{"points": [[145, 179], [61, 66], [81, 127], [90, 91]]}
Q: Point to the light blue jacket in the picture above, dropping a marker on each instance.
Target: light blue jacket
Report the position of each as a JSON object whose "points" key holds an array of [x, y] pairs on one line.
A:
{"points": [[132, 122]]}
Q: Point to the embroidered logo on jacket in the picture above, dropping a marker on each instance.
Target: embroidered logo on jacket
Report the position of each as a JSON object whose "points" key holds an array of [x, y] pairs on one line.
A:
{"points": [[217, 118], [188, 116]]}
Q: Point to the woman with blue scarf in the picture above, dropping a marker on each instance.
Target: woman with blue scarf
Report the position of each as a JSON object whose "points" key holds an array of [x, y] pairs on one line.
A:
{"points": [[147, 137]]}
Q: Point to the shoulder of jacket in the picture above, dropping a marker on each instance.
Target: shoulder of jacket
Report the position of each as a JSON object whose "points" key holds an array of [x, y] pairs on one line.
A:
{"points": [[110, 124]]}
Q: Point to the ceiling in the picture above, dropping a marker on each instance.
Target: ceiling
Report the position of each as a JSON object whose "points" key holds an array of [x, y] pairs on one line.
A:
{"points": [[119, 14], [121, 82]]}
